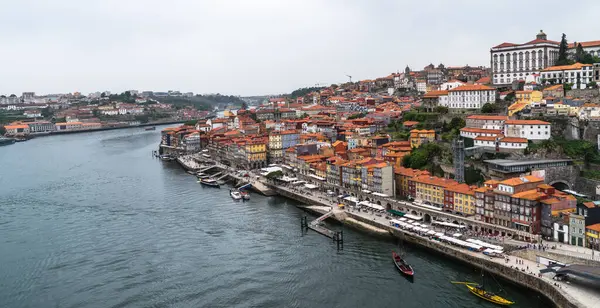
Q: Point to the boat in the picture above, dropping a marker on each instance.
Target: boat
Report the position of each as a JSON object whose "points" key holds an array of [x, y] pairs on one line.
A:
{"points": [[480, 291], [404, 267], [245, 195], [6, 141], [210, 182], [151, 128], [235, 195], [167, 158]]}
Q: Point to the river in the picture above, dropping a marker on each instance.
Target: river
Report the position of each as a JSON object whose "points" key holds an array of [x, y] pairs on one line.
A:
{"points": [[92, 220]]}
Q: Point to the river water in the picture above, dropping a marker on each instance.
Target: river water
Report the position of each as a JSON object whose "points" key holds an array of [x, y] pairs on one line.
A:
{"points": [[92, 220]]}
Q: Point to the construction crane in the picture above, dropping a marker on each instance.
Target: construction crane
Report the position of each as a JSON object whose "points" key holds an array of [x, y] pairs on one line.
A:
{"points": [[350, 77]]}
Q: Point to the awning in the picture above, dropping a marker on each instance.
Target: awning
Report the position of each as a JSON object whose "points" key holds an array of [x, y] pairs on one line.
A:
{"points": [[410, 216], [396, 212], [457, 235], [340, 205], [310, 186], [316, 177], [366, 191], [380, 194]]}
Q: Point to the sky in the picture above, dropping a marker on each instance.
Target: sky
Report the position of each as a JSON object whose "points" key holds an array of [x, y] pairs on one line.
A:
{"points": [[256, 47]]}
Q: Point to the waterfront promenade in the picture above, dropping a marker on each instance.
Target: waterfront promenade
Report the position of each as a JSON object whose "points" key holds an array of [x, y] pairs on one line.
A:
{"points": [[321, 203], [578, 295]]}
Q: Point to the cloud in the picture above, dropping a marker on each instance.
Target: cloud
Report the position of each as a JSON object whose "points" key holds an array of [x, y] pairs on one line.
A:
{"points": [[255, 47]]}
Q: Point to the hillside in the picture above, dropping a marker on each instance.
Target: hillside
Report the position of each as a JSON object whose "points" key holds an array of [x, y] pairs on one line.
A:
{"points": [[202, 102]]}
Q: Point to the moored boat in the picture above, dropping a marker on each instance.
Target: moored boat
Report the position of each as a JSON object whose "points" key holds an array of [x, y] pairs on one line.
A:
{"points": [[151, 128], [480, 292], [235, 195], [402, 266], [245, 195], [210, 182]]}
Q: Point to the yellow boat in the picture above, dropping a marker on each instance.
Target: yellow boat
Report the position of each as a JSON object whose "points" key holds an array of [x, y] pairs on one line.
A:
{"points": [[476, 289]]}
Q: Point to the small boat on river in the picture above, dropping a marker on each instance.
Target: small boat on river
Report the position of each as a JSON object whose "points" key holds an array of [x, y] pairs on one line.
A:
{"points": [[210, 182], [6, 141], [480, 292], [235, 195], [151, 128], [245, 195], [404, 267]]}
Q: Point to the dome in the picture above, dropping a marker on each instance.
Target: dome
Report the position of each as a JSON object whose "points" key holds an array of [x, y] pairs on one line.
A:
{"points": [[541, 35]]}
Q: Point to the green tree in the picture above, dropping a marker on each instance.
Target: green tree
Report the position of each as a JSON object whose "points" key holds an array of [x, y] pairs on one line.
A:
{"points": [[563, 49], [441, 109], [2, 130], [579, 53], [47, 112], [592, 84], [357, 116], [244, 106], [488, 108], [567, 86], [457, 123], [510, 97], [333, 86]]}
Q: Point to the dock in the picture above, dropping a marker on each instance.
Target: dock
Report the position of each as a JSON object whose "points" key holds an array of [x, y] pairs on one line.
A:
{"points": [[317, 226]]}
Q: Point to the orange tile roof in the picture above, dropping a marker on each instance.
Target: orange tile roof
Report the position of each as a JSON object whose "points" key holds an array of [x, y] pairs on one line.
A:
{"points": [[514, 140], [484, 80], [434, 180], [575, 66], [410, 123], [487, 117], [554, 87], [433, 94], [519, 181], [585, 44], [529, 195], [462, 188], [480, 130], [16, 126], [472, 87], [486, 138], [594, 227], [526, 122], [505, 44], [589, 205]]}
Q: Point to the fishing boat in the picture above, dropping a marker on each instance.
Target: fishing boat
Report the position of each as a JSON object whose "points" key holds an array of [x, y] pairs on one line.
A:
{"points": [[480, 291], [151, 128], [210, 183], [235, 195], [166, 158], [404, 267]]}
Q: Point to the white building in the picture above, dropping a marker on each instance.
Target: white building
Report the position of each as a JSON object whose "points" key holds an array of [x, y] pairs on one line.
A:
{"points": [[473, 133], [451, 84], [421, 86], [471, 96], [486, 121], [511, 62], [110, 112], [503, 144], [578, 74], [592, 47], [529, 129], [33, 113]]}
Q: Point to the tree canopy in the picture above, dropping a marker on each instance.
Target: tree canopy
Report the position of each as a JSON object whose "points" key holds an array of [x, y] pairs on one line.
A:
{"points": [[488, 108], [357, 116], [563, 50], [303, 91]]}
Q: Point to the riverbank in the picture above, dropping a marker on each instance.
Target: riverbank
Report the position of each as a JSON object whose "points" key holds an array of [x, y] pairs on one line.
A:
{"points": [[66, 132], [561, 294]]}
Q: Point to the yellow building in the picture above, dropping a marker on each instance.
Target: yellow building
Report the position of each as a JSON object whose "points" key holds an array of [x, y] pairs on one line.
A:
{"points": [[592, 234], [256, 152], [528, 96], [460, 199], [419, 137], [430, 189]]}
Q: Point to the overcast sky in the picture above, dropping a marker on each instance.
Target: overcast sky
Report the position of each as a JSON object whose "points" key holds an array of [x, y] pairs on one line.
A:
{"points": [[249, 47]]}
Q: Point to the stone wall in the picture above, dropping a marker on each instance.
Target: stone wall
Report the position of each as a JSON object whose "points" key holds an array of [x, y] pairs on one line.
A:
{"points": [[587, 187], [588, 94], [533, 254], [568, 174], [561, 300]]}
